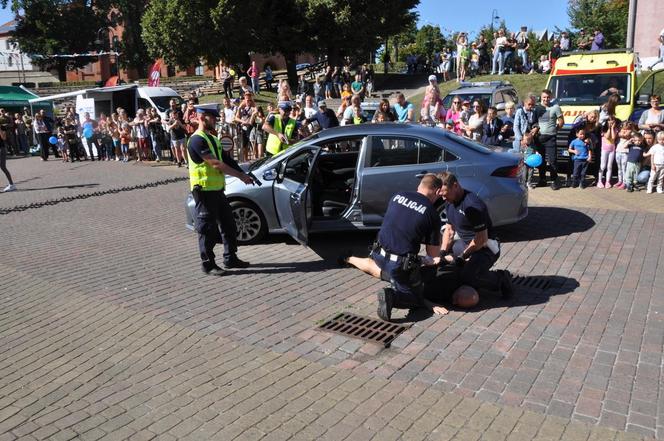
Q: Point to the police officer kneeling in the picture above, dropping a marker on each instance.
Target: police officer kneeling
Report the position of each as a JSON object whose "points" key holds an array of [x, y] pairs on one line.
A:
{"points": [[409, 221], [207, 165], [477, 250]]}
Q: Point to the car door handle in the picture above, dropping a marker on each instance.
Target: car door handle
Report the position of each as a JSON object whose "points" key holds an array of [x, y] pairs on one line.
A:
{"points": [[420, 175]]}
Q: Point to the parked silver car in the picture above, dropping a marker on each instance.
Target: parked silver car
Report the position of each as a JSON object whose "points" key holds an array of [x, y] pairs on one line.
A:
{"points": [[342, 179]]}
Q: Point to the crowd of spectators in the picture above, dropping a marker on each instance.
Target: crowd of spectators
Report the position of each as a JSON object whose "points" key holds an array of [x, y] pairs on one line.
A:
{"points": [[503, 52]]}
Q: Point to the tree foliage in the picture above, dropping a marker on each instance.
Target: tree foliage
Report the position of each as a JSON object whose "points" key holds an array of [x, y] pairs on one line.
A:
{"points": [[609, 16], [213, 30], [50, 27]]}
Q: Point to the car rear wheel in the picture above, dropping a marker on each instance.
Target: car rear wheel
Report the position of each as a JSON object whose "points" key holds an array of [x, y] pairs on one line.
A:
{"points": [[249, 221]]}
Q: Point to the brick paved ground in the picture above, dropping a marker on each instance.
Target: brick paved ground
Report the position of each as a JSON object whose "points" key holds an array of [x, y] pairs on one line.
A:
{"points": [[107, 330]]}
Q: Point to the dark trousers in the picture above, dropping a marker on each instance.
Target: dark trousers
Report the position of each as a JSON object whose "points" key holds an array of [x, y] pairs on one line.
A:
{"points": [[476, 271], [45, 145], [94, 142], [579, 172], [547, 148], [3, 163], [228, 90], [214, 224], [407, 284]]}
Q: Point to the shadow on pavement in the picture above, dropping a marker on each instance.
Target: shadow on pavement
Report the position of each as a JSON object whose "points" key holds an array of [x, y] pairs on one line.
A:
{"points": [[61, 186], [525, 295], [546, 222]]}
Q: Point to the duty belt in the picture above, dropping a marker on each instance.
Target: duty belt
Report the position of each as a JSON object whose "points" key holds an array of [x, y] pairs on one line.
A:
{"points": [[389, 256]]}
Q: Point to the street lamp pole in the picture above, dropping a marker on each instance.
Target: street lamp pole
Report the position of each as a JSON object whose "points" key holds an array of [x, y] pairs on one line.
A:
{"points": [[494, 18]]}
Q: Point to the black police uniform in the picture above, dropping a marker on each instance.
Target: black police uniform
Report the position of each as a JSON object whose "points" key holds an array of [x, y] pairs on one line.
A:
{"points": [[410, 220], [469, 216], [213, 212]]}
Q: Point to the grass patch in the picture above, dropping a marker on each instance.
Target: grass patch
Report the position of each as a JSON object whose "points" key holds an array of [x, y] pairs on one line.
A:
{"points": [[524, 85], [262, 99]]}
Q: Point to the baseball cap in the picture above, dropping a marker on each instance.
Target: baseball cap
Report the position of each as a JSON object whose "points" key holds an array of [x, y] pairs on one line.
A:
{"points": [[432, 78], [212, 109], [322, 103], [285, 105], [465, 102]]}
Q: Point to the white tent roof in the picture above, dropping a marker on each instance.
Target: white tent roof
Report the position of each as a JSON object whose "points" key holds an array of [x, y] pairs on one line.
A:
{"points": [[97, 90]]}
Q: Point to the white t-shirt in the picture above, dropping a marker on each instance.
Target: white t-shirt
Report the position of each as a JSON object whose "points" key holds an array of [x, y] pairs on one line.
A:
{"points": [[501, 42], [657, 152], [309, 112]]}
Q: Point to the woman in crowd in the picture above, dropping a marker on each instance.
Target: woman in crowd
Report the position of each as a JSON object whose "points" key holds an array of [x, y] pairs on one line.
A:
{"points": [[454, 114], [499, 48], [141, 132], [156, 132], [476, 121], [345, 104], [609, 107], [462, 56], [284, 92], [245, 118], [384, 111], [176, 128], [256, 136], [652, 118]]}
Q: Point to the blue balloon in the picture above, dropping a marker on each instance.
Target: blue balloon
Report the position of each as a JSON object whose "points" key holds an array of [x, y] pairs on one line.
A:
{"points": [[88, 132], [53, 140], [534, 160]]}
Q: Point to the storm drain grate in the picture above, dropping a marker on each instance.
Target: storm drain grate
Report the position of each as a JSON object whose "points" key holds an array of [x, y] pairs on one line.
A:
{"points": [[366, 328], [531, 282]]}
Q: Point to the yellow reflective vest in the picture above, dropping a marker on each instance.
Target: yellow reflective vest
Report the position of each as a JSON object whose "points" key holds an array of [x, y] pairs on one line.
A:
{"points": [[203, 174], [274, 145]]}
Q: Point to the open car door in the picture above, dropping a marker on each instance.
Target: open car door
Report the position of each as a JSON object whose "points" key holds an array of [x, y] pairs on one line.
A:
{"points": [[292, 197]]}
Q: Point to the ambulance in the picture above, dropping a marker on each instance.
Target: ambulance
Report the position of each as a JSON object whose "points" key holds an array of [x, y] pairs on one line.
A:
{"points": [[583, 81]]}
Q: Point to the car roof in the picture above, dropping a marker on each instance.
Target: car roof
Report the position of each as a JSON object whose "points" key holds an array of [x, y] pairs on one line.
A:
{"points": [[472, 90], [381, 128]]}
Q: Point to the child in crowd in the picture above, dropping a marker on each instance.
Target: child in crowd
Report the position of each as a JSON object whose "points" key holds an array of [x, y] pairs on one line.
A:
{"points": [[624, 136], [582, 155], [125, 139], [63, 146], [656, 153], [527, 149], [465, 113], [634, 157], [115, 138], [609, 137]]}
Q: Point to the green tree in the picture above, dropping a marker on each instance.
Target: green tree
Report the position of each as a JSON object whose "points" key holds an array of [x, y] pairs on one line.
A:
{"points": [[428, 40], [128, 13], [609, 16], [46, 28]]}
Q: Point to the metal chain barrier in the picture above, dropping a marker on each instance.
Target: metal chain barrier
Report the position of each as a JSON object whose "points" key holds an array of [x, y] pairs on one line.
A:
{"points": [[90, 195]]}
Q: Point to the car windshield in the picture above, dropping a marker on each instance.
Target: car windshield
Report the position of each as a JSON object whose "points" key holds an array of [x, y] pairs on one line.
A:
{"points": [[486, 97], [162, 102], [586, 90], [259, 162]]}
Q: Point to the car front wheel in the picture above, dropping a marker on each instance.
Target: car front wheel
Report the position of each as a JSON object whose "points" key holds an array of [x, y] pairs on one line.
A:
{"points": [[249, 221]]}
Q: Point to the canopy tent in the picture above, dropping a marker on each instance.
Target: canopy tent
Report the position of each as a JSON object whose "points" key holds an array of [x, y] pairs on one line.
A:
{"points": [[14, 99], [106, 98]]}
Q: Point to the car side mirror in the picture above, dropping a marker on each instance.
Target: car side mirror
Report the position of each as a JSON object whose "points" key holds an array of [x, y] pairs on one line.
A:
{"points": [[643, 100], [281, 172], [500, 106], [270, 175]]}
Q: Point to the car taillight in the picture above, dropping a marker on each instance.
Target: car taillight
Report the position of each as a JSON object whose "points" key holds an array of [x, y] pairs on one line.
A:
{"points": [[511, 171]]}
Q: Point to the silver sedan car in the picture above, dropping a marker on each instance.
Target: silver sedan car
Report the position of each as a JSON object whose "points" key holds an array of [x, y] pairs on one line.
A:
{"points": [[342, 179]]}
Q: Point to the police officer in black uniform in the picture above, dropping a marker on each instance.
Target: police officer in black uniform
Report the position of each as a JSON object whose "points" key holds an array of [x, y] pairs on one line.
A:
{"points": [[477, 250], [208, 163], [410, 220]]}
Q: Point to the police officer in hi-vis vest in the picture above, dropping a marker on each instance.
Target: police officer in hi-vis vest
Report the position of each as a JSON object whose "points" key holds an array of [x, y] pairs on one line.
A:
{"points": [[207, 165], [282, 130]]}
